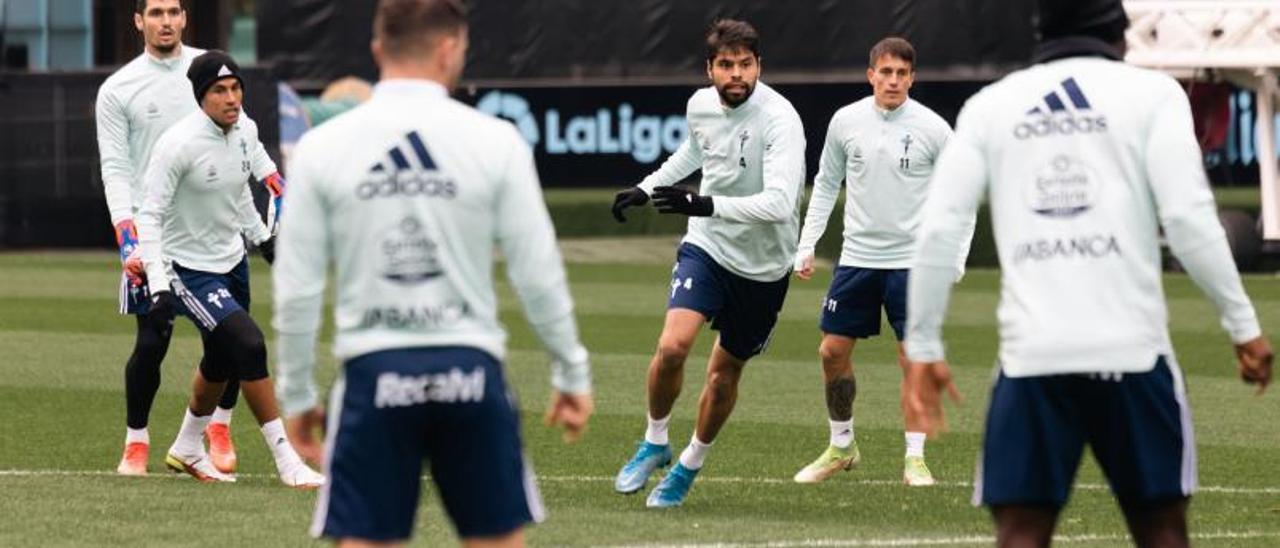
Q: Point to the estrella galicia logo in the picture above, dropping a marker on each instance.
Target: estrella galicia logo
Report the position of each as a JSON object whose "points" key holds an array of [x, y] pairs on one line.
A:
{"points": [[512, 107], [398, 175], [1063, 189], [1052, 117], [409, 254]]}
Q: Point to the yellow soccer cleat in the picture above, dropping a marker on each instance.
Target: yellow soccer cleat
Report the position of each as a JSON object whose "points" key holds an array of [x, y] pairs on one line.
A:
{"points": [[915, 473], [833, 460]]}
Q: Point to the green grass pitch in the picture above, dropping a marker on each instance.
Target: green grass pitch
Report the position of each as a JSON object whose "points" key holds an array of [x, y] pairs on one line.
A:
{"points": [[62, 349]]}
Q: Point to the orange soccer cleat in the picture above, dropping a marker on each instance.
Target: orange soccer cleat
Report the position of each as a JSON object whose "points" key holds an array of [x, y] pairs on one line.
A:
{"points": [[221, 451], [134, 461]]}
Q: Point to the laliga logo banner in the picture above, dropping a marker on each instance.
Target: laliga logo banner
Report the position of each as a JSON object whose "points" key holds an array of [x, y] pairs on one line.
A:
{"points": [[616, 128]]}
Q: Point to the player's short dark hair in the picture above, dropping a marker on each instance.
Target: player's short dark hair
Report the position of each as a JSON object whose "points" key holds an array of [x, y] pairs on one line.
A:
{"points": [[731, 34], [402, 26], [140, 6], [894, 46]]}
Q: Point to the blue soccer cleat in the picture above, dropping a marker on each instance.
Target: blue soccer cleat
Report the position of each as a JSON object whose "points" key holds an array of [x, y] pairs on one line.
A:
{"points": [[635, 473], [673, 488]]}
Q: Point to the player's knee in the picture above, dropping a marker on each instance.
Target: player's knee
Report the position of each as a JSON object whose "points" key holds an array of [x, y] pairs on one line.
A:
{"points": [[673, 351], [246, 346], [722, 385], [835, 355], [215, 370]]}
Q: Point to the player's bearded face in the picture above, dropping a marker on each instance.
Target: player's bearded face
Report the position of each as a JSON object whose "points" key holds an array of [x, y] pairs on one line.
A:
{"points": [[161, 24], [222, 102], [734, 73], [891, 79]]}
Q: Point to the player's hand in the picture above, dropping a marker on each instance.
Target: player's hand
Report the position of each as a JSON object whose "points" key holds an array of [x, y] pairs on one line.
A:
{"points": [[676, 199], [267, 248], [804, 266], [925, 383], [163, 308], [1254, 362], [570, 412], [306, 432], [634, 196], [134, 269]]}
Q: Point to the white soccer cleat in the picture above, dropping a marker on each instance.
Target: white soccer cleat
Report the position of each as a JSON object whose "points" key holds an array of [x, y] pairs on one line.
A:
{"points": [[197, 466], [298, 475]]}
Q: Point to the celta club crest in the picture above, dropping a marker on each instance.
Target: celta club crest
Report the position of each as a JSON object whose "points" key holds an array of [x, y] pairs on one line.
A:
{"points": [[244, 148]]}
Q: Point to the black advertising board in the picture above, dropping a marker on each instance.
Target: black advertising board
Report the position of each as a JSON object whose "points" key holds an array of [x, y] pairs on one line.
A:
{"points": [[613, 136]]}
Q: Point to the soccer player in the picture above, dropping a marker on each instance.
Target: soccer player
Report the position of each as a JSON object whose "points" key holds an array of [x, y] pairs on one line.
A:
{"points": [[1083, 159], [734, 264], [134, 106], [197, 201], [408, 196], [884, 147]]}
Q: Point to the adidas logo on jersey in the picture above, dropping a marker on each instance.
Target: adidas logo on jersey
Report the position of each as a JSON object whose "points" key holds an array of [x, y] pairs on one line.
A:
{"points": [[405, 177], [1052, 117]]}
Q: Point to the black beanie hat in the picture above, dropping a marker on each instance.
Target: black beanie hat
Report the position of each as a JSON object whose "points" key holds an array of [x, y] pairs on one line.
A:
{"points": [[210, 67], [1101, 19]]}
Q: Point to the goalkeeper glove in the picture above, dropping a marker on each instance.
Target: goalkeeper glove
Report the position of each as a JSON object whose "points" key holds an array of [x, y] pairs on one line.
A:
{"points": [[675, 199], [130, 257], [163, 307], [633, 196]]}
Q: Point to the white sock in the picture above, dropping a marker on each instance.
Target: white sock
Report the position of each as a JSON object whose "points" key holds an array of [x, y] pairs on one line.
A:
{"points": [[915, 444], [221, 416], [279, 444], [136, 435], [656, 433], [841, 433], [191, 436], [694, 454]]}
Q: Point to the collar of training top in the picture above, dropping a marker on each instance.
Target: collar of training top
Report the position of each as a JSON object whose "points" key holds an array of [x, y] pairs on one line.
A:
{"points": [[169, 62], [402, 86], [890, 115], [1073, 46]]}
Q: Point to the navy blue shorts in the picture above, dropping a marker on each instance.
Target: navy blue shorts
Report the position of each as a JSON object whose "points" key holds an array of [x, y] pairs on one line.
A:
{"points": [[852, 305], [1138, 425], [448, 405], [743, 311], [134, 299], [208, 298]]}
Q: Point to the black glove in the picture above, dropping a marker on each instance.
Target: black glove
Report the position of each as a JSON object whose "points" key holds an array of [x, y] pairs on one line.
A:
{"points": [[268, 249], [163, 308], [633, 196], [675, 199]]}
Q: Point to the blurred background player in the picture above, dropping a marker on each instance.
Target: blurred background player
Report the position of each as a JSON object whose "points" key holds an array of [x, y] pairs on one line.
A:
{"points": [[1084, 159], [884, 147], [408, 195], [134, 107], [733, 266], [197, 201]]}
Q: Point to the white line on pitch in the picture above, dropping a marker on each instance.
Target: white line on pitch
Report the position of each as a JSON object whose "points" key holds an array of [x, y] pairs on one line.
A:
{"points": [[941, 541], [705, 479]]}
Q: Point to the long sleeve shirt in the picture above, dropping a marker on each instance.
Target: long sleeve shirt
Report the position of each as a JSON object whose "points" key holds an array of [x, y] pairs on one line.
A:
{"points": [[885, 159], [198, 200], [407, 197], [752, 162], [135, 105], [1083, 161]]}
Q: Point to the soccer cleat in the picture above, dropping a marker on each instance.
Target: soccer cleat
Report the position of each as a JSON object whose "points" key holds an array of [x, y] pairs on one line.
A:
{"points": [[915, 473], [134, 461], [673, 488], [635, 473], [221, 451], [833, 460], [197, 466], [298, 474]]}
